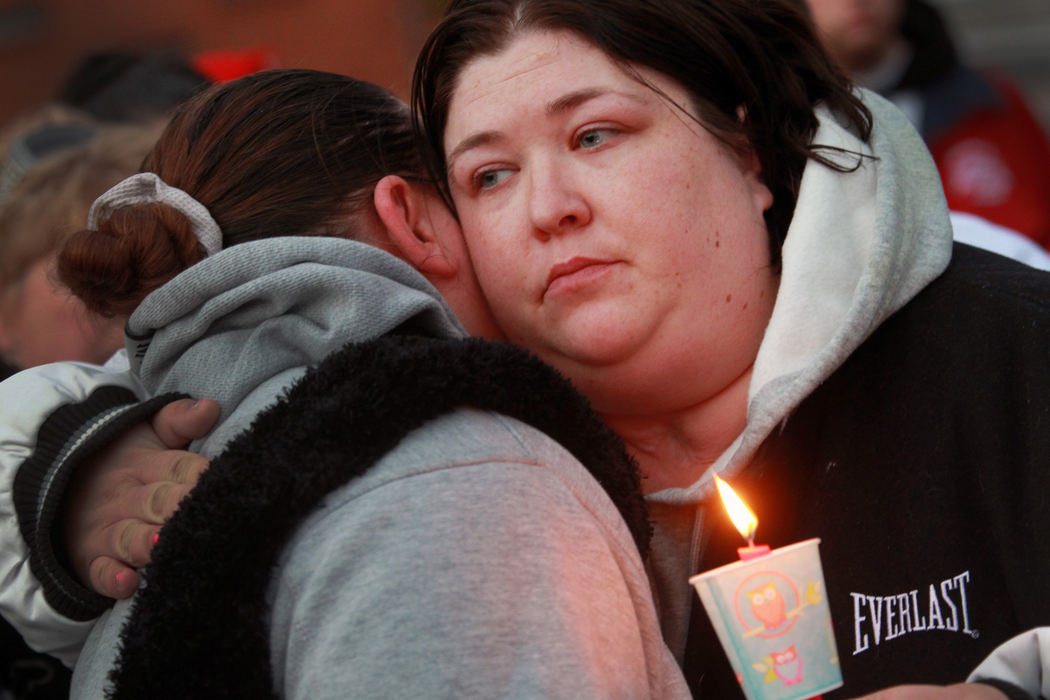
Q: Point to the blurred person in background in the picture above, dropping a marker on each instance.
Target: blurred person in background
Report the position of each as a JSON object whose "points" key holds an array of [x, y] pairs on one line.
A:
{"points": [[992, 154], [57, 160], [40, 321], [35, 136], [123, 86], [54, 161], [112, 87]]}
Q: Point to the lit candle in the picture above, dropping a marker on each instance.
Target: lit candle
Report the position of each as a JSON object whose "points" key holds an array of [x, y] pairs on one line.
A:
{"points": [[743, 519], [770, 614]]}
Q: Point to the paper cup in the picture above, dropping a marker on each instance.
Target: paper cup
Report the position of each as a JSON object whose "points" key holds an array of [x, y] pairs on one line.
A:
{"points": [[771, 615]]}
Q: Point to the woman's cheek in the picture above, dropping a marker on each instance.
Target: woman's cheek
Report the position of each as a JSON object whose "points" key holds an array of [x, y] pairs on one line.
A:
{"points": [[485, 235]]}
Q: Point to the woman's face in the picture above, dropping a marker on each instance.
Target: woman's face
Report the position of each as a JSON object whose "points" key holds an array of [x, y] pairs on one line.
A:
{"points": [[611, 233], [857, 33]]}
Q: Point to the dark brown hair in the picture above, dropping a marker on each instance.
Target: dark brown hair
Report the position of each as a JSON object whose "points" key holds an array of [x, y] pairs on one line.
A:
{"points": [[276, 153], [759, 55]]}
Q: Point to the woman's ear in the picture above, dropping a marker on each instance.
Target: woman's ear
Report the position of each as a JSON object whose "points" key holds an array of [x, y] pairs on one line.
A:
{"points": [[751, 165], [405, 211]]}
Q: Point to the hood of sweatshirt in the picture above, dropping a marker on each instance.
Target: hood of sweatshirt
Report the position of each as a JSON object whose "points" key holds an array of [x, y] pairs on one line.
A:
{"points": [[242, 324], [860, 246]]}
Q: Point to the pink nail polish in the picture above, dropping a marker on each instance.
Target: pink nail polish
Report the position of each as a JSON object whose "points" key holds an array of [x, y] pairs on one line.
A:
{"points": [[156, 536]]}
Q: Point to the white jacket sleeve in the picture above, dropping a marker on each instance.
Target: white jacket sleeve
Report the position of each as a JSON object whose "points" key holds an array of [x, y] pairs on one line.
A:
{"points": [[51, 417], [1023, 661]]}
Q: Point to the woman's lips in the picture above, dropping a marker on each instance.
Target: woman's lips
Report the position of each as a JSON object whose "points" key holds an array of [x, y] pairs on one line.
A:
{"points": [[574, 274]]}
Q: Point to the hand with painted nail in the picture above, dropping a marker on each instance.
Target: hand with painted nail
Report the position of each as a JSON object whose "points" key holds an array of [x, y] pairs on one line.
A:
{"points": [[119, 500]]}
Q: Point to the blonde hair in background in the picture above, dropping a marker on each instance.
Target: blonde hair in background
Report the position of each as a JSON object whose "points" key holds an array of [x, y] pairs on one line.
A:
{"points": [[53, 199], [18, 156]]}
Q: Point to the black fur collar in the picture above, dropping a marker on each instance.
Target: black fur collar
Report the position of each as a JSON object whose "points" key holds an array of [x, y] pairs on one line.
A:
{"points": [[198, 629]]}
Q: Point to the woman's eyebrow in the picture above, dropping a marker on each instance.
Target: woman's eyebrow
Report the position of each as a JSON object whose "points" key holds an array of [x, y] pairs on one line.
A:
{"points": [[473, 141], [574, 99], [553, 108]]}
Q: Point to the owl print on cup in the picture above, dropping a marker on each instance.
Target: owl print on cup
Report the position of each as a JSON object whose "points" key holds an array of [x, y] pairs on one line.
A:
{"points": [[767, 604]]}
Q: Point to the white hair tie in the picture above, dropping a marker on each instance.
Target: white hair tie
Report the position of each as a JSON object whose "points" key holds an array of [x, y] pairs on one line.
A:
{"points": [[145, 188]]}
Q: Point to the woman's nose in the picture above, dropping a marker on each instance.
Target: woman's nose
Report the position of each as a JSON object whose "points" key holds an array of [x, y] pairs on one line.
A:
{"points": [[557, 204]]}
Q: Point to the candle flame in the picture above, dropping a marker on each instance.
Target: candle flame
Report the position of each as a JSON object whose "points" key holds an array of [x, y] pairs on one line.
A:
{"points": [[743, 519]]}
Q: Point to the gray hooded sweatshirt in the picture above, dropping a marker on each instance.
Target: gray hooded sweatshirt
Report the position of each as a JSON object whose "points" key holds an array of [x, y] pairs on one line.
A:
{"points": [[476, 559]]}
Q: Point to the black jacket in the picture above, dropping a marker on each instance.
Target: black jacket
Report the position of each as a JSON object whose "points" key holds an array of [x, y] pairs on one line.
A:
{"points": [[213, 562], [932, 506]]}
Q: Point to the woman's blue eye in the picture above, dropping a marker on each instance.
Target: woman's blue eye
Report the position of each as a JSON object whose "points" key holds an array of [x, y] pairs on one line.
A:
{"points": [[592, 138], [491, 178]]}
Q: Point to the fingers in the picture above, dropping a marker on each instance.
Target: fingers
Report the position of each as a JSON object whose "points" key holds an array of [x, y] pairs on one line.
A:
{"points": [[184, 420], [113, 579], [119, 499], [160, 500], [143, 466], [130, 542], [183, 467]]}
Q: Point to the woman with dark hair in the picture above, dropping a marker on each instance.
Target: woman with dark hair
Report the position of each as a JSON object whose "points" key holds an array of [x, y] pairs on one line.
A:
{"points": [[384, 519], [748, 269]]}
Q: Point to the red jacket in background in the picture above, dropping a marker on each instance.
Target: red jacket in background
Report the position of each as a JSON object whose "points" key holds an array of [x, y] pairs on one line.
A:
{"points": [[994, 160]]}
